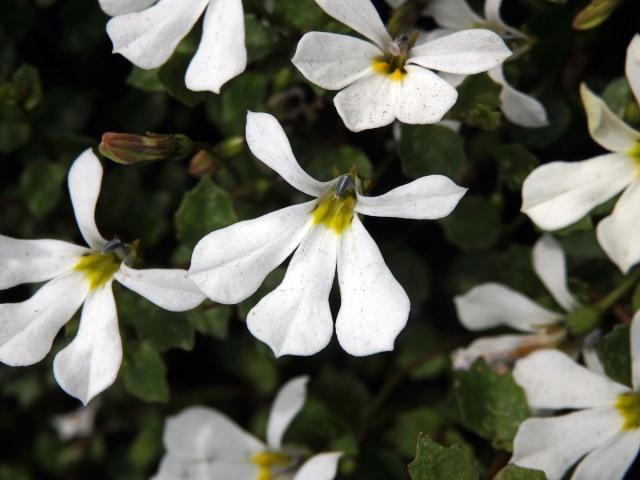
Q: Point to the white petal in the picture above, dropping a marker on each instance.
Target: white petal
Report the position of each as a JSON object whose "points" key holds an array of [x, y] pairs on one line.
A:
{"points": [[367, 103], [287, 404], [201, 433], [493, 349], [604, 126], [492, 304], [453, 14], [375, 307], [148, 38], [268, 142], [452, 79], [120, 7], [493, 18], [172, 468], [465, 52], [550, 265], [558, 194], [520, 108], [229, 265], [32, 261], [553, 445], [632, 66], [611, 460], [167, 288], [619, 233], [27, 329], [90, 363], [322, 466], [85, 177], [222, 54], [427, 198], [423, 97], [360, 15], [295, 318], [552, 379], [635, 351], [334, 61]]}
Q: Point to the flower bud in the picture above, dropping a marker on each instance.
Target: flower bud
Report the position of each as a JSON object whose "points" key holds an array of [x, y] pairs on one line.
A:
{"points": [[127, 148], [202, 163]]}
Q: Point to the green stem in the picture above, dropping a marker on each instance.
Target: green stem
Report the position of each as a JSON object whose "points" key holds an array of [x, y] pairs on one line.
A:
{"points": [[628, 282]]}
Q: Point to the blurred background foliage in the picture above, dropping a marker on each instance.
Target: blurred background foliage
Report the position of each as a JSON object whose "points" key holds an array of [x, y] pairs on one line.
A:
{"points": [[61, 89]]}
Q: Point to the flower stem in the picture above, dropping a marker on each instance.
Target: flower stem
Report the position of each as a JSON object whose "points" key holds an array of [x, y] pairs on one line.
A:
{"points": [[628, 282]]}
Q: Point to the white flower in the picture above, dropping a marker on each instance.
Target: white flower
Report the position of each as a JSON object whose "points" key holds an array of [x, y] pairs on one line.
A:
{"points": [[147, 32], [455, 15], [204, 444], [75, 276], [559, 193], [384, 79], [604, 429], [492, 305], [76, 424], [230, 264]]}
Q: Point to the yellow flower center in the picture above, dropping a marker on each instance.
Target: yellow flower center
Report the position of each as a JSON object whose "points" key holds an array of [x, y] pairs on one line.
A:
{"points": [[393, 69], [98, 268], [628, 404], [335, 211], [267, 461], [634, 153]]}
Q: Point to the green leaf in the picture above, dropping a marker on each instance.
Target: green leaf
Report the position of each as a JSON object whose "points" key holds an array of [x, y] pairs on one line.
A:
{"points": [[302, 14], [430, 149], [145, 375], [513, 472], [614, 352], [434, 462], [172, 74], [410, 424], [474, 224], [515, 163], [147, 445], [595, 13], [583, 320], [28, 89], [490, 404], [212, 320], [478, 103], [260, 37], [161, 328], [41, 186], [145, 80], [14, 128], [228, 111], [343, 158], [204, 209]]}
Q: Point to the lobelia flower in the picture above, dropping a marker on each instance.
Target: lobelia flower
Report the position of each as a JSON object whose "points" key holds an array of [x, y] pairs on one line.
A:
{"points": [[230, 264], [75, 276], [456, 15], [492, 305], [385, 79], [560, 193], [147, 32], [604, 429], [203, 444]]}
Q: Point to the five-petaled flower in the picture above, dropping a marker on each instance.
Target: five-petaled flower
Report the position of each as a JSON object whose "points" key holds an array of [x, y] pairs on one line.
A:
{"points": [[75, 276], [492, 305], [604, 429], [386, 79], [203, 443], [147, 32], [230, 264], [559, 193], [456, 15]]}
